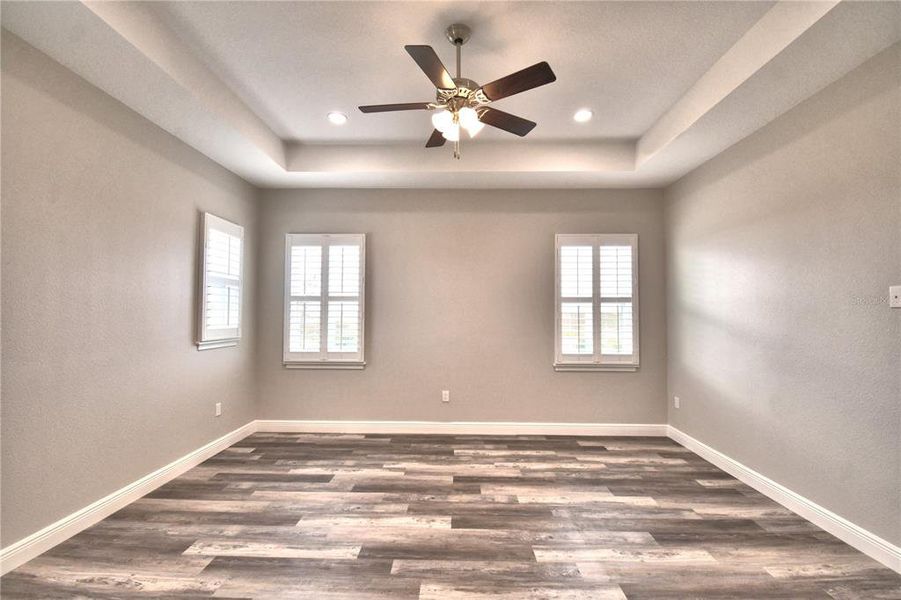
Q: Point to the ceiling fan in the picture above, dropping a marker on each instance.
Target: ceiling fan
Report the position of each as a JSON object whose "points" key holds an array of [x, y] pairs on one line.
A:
{"points": [[461, 102]]}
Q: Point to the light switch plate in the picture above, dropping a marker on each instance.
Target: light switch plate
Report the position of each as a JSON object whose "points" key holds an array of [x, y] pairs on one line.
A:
{"points": [[894, 296]]}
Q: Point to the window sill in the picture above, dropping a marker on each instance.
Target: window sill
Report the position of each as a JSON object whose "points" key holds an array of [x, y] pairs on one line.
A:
{"points": [[325, 365], [593, 367], [212, 344]]}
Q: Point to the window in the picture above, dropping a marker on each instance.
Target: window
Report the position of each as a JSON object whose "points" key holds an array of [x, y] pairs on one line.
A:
{"points": [[220, 297], [597, 302], [324, 294]]}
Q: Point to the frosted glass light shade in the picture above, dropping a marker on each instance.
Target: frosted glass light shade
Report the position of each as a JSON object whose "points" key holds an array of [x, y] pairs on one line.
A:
{"points": [[468, 117], [442, 120], [475, 128], [453, 133]]}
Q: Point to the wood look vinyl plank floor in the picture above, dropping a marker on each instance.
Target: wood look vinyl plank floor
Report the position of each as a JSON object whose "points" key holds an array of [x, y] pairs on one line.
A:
{"points": [[439, 517]]}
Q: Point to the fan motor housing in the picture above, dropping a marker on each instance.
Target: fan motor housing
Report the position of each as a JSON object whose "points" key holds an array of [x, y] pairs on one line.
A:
{"points": [[463, 82], [467, 93]]}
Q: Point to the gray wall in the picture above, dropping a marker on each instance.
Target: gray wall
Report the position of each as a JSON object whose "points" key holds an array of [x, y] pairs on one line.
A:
{"points": [[460, 296], [782, 347], [101, 381]]}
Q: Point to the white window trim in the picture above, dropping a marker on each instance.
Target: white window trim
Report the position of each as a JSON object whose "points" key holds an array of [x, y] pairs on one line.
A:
{"points": [[596, 361], [222, 338], [323, 359]]}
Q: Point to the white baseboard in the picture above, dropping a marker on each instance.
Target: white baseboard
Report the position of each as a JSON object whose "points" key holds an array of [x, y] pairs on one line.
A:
{"points": [[870, 544], [29, 547], [464, 427]]}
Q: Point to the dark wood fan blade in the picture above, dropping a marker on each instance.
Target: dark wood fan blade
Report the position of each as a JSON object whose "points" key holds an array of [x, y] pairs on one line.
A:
{"points": [[390, 107], [506, 121], [435, 140], [432, 66], [530, 77]]}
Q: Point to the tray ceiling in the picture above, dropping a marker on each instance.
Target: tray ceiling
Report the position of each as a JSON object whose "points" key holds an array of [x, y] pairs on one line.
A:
{"points": [[249, 84]]}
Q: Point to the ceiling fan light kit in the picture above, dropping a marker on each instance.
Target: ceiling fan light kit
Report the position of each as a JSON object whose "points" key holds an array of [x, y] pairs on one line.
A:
{"points": [[461, 103]]}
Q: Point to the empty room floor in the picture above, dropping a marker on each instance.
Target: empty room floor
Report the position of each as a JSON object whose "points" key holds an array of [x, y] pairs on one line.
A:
{"points": [[444, 517]]}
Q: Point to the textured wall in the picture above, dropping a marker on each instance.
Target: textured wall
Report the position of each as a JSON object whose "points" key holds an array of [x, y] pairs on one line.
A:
{"points": [[782, 347], [101, 381], [461, 297]]}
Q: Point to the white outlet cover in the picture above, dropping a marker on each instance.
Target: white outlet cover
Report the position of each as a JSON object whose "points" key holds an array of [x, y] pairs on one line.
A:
{"points": [[676, 401], [894, 296]]}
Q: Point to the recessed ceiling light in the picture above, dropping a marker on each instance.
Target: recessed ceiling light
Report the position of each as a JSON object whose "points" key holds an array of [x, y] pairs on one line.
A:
{"points": [[582, 115], [337, 118]]}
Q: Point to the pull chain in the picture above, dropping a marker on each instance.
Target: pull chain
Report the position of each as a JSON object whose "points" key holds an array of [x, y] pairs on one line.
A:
{"points": [[459, 45], [459, 130]]}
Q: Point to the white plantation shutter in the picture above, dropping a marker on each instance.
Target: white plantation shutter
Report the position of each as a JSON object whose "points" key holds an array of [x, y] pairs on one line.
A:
{"points": [[305, 304], [344, 326], [306, 270], [576, 317], [305, 329], [221, 283], [344, 271], [616, 328], [597, 302], [576, 328], [616, 299], [324, 289], [576, 271], [616, 271]]}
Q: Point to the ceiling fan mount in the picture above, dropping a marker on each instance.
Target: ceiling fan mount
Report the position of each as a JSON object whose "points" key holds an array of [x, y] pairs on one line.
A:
{"points": [[460, 102], [458, 34]]}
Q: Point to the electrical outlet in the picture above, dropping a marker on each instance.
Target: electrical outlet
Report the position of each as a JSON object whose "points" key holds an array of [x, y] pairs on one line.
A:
{"points": [[894, 296], [676, 401], [445, 395], [218, 409]]}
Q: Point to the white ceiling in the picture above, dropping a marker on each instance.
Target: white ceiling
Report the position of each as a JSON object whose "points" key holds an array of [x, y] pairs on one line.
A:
{"points": [[249, 83], [294, 62]]}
